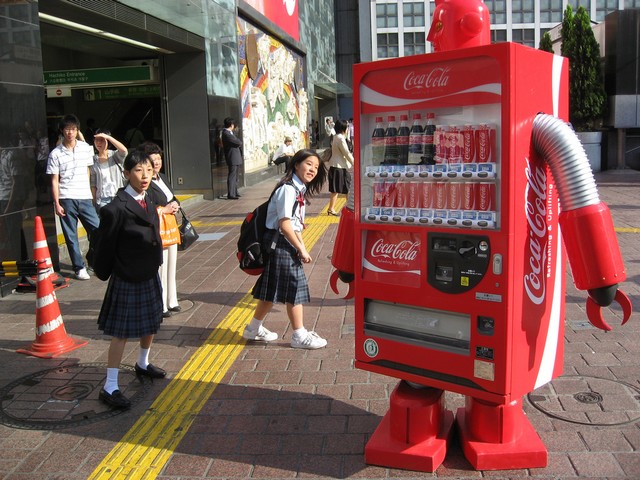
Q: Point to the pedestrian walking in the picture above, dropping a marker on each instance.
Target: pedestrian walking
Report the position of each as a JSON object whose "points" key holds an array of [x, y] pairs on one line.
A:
{"points": [[284, 280], [128, 254], [340, 166]]}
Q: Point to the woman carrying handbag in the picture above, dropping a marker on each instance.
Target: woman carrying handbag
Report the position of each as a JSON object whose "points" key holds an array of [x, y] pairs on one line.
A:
{"points": [[166, 199]]}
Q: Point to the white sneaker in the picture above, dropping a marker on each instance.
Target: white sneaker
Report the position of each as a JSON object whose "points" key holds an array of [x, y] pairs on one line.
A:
{"points": [[310, 341], [82, 274], [261, 335]]}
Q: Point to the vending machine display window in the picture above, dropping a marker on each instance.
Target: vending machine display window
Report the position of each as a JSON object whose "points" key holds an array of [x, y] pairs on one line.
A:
{"points": [[438, 163], [436, 329]]}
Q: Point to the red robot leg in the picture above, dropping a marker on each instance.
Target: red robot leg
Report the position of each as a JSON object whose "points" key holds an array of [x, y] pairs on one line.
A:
{"points": [[499, 437], [415, 431]]}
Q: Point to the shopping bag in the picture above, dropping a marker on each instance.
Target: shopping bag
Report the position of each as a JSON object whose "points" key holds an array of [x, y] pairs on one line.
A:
{"points": [[168, 229]]}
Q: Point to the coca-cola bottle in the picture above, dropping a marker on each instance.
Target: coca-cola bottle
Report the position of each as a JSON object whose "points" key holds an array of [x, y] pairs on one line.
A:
{"points": [[377, 143], [391, 147], [402, 140], [415, 140], [427, 140]]}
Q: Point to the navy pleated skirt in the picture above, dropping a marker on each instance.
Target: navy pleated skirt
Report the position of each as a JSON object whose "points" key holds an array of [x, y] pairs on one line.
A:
{"points": [[131, 309], [283, 279]]}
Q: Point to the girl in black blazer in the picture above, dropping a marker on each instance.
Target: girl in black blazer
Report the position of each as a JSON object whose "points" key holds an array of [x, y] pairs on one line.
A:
{"points": [[128, 253]]}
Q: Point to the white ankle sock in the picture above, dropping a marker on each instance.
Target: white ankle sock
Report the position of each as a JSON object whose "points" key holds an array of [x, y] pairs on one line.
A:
{"points": [[300, 332], [143, 358], [112, 380], [255, 324]]}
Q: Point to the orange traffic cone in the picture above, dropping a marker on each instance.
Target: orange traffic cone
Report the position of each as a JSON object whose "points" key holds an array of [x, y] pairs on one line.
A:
{"points": [[41, 253], [51, 337]]}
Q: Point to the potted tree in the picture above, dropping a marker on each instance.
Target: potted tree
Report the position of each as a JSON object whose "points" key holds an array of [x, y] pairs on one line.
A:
{"points": [[586, 87]]}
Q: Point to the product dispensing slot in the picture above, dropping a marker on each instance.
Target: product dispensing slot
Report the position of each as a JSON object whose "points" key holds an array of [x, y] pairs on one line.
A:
{"points": [[426, 327]]}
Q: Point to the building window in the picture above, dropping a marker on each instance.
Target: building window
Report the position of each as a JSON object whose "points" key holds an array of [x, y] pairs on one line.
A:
{"points": [[413, 14], [586, 4], [525, 36], [498, 36], [387, 15], [414, 43], [605, 7], [551, 11], [632, 3], [388, 45], [522, 11], [497, 11]]}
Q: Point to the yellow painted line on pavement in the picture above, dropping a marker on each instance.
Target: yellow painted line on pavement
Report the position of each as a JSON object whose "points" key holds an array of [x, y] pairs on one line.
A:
{"points": [[145, 449], [627, 229]]}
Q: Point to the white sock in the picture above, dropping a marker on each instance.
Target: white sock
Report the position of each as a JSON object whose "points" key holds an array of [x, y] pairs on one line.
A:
{"points": [[143, 358], [300, 332], [112, 380], [255, 324]]}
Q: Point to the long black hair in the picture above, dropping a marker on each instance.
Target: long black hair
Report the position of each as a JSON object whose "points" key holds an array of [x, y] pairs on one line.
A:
{"points": [[314, 186]]}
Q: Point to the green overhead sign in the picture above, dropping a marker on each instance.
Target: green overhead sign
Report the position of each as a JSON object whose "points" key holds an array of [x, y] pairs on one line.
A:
{"points": [[115, 93], [97, 75]]}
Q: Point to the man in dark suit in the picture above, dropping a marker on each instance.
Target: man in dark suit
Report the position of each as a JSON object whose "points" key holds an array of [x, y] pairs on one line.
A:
{"points": [[232, 147]]}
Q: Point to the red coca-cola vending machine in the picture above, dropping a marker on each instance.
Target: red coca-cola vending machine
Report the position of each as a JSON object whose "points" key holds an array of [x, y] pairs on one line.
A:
{"points": [[460, 270]]}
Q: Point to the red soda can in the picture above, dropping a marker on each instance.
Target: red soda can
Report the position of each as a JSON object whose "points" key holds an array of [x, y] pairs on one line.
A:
{"points": [[468, 195], [413, 195], [454, 196], [378, 194], [485, 137], [468, 144], [389, 194], [401, 195], [485, 196], [440, 143], [440, 195], [426, 195]]}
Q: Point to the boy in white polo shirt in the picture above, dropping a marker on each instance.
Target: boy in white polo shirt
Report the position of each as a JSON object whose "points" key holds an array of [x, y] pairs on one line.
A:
{"points": [[69, 166]]}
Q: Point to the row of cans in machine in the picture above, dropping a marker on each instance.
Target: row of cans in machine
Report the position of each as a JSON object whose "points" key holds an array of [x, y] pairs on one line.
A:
{"points": [[480, 196], [465, 143], [439, 170], [428, 216]]}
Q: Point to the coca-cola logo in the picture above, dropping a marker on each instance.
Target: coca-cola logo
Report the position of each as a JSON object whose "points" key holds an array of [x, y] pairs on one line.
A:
{"points": [[438, 77], [403, 250], [535, 212], [483, 144]]}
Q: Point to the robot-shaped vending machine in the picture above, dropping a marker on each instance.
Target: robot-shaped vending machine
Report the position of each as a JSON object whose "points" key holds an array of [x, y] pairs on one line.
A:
{"points": [[453, 242]]}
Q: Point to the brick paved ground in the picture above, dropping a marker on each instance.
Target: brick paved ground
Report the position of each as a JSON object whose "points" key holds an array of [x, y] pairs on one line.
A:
{"points": [[283, 413]]}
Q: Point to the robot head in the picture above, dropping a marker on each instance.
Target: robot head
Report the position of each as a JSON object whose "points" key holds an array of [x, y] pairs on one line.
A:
{"points": [[459, 24]]}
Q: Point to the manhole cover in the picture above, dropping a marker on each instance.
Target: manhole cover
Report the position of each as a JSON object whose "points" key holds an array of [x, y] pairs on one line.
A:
{"points": [[64, 396], [588, 400]]}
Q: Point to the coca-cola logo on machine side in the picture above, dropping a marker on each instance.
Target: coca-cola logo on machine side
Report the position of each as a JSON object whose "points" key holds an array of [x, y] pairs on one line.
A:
{"points": [[537, 251]]}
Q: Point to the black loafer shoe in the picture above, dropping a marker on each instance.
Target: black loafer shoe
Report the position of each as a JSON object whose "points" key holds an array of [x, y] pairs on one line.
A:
{"points": [[177, 308], [151, 371], [115, 399], [166, 314]]}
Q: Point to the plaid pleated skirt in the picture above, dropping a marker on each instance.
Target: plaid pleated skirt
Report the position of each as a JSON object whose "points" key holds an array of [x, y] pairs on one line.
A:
{"points": [[131, 309], [283, 279]]}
